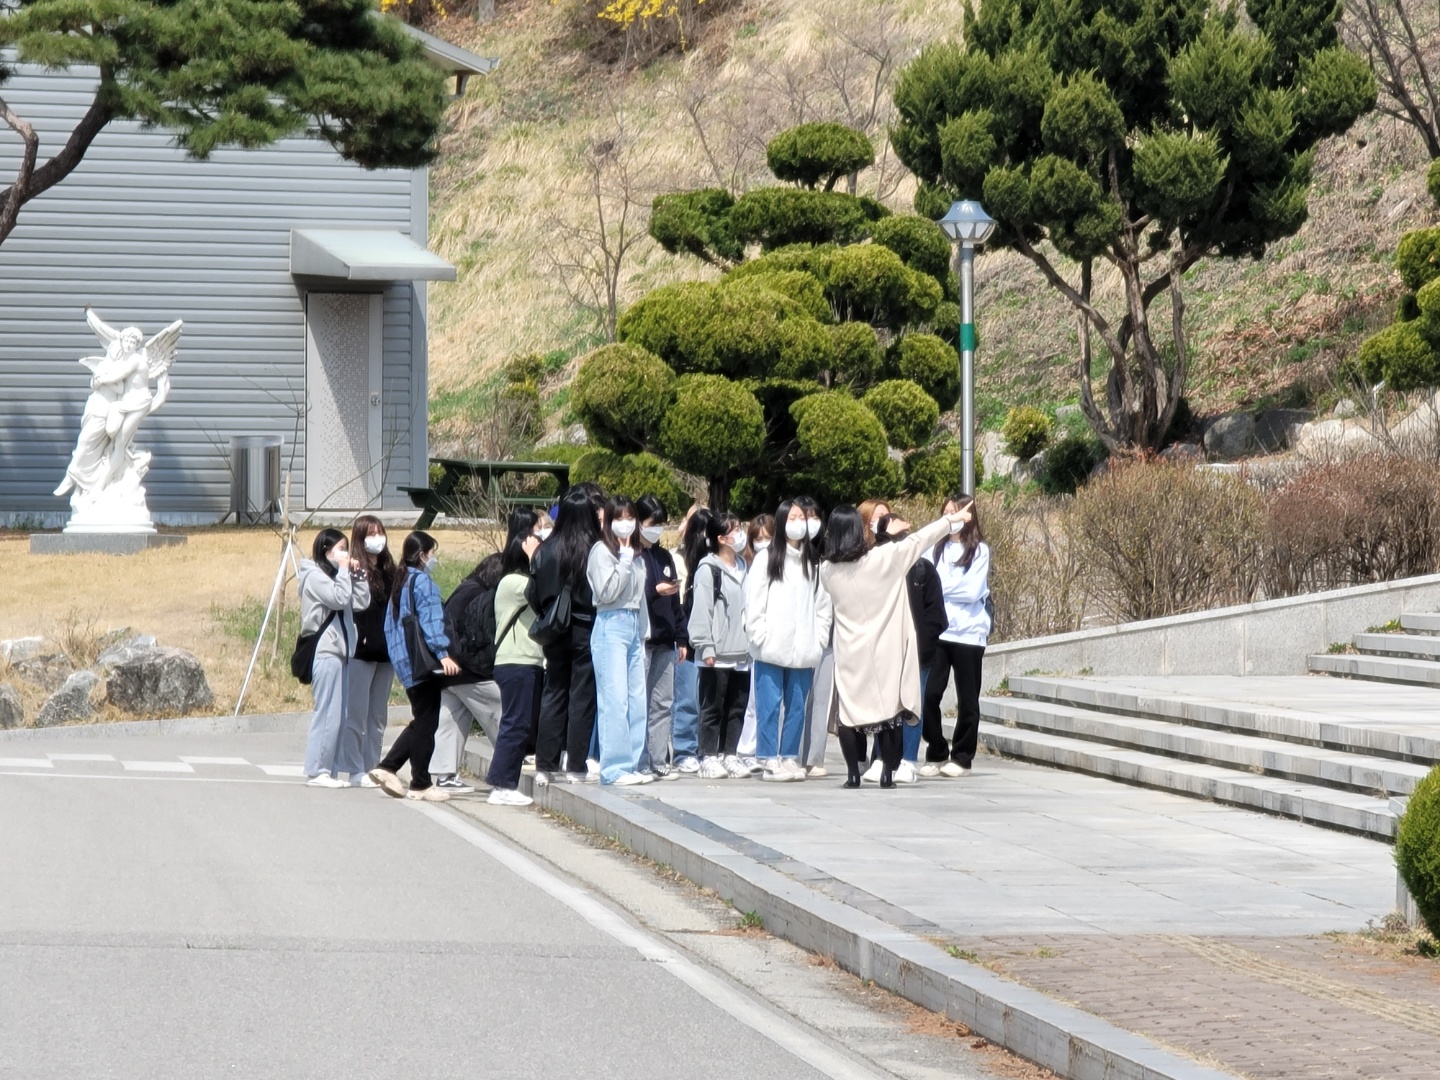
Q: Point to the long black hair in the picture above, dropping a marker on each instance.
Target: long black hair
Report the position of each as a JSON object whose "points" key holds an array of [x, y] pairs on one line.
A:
{"points": [[721, 524], [576, 530], [491, 569], [320, 550], [694, 544], [809, 549], [616, 507], [845, 535], [417, 545], [380, 569], [969, 535], [520, 528]]}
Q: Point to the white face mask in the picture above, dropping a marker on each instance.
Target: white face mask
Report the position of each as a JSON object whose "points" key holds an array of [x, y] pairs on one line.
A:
{"points": [[336, 554], [432, 561], [761, 546], [544, 532], [875, 524], [737, 540], [795, 530], [375, 544], [623, 528], [812, 527], [652, 533]]}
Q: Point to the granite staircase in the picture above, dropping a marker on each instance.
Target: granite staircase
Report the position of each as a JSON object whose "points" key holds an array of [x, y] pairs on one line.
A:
{"points": [[1411, 656]]}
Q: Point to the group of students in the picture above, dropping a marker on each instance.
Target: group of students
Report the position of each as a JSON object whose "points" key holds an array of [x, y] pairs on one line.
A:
{"points": [[588, 644]]}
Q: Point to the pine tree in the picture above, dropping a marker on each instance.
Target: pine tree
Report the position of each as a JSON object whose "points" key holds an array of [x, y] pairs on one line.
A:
{"points": [[218, 73], [1142, 134]]}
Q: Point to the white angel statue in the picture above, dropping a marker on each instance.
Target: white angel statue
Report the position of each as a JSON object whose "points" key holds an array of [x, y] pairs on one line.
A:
{"points": [[105, 470]]}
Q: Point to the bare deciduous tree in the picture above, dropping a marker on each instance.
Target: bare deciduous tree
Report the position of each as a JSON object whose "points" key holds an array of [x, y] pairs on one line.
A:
{"points": [[1402, 40]]}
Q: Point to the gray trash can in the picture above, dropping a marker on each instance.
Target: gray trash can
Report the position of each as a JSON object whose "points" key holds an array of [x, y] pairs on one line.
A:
{"points": [[255, 478]]}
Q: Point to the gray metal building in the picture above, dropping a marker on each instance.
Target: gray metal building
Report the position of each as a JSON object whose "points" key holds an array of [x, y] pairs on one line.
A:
{"points": [[302, 282]]}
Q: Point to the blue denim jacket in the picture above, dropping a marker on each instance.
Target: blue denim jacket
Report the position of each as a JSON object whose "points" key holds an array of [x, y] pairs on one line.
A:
{"points": [[432, 624]]}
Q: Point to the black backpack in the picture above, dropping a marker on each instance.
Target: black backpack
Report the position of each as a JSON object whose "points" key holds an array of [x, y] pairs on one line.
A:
{"points": [[470, 625]]}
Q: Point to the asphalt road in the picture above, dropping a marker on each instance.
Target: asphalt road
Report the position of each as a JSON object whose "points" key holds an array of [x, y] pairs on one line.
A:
{"points": [[164, 917]]}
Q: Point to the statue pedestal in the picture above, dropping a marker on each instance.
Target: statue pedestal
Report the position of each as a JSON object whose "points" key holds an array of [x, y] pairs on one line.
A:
{"points": [[95, 542]]}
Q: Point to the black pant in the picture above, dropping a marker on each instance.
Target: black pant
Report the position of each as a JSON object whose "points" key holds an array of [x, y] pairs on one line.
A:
{"points": [[416, 743], [723, 693], [965, 661], [889, 748], [567, 707], [519, 709]]}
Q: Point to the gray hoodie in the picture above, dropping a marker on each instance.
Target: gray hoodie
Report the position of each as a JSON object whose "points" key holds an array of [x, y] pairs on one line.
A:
{"points": [[321, 594], [717, 626]]}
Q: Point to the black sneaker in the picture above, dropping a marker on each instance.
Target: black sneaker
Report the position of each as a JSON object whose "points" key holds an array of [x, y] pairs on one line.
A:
{"points": [[454, 785]]}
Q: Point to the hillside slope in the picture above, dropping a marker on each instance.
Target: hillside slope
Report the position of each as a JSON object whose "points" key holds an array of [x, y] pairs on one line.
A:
{"points": [[512, 197]]}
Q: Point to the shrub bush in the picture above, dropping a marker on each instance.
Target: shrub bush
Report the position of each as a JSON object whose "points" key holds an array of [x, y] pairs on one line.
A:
{"points": [[1158, 539], [935, 471], [774, 217], [1034, 571], [925, 359], [1026, 431], [812, 154], [714, 427], [1417, 849], [1401, 356], [842, 449], [868, 283], [905, 411], [696, 223], [633, 475], [921, 244], [620, 394], [1069, 463], [858, 357], [1417, 257]]}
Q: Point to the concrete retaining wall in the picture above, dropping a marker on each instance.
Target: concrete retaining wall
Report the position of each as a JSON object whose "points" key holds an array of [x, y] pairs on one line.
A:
{"points": [[1269, 638]]}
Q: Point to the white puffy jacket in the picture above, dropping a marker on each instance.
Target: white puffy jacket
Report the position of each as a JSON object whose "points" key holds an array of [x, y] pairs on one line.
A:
{"points": [[787, 621]]}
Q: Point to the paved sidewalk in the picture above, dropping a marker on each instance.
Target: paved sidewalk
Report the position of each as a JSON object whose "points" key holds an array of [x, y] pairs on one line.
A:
{"points": [[1195, 924]]}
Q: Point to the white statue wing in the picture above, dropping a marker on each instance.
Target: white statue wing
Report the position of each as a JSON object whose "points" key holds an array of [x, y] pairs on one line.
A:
{"points": [[92, 362], [103, 330], [160, 350]]}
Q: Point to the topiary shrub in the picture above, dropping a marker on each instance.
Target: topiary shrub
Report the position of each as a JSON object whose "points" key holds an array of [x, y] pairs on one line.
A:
{"points": [[869, 283], [620, 394], [1401, 356], [774, 217], [905, 411], [1417, 849], [1417, 257], [633, 475], [1026, 431], [715, 427], [858, 357], [842, 449], [921, 244], [697, 223], [925, 359], [935, 471], [1069, 463], [811, 154]]}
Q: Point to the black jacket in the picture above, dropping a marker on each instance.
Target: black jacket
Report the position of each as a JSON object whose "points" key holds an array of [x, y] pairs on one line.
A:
{"points": [[667, 616], [927, 608], [370, 625], [545, 585]]}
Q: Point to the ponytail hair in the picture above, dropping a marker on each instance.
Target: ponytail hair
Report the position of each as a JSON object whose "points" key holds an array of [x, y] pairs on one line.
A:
{"points": [[417, 545]]}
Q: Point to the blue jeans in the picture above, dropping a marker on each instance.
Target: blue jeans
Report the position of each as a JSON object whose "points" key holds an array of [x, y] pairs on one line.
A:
{"points": [[685, 734], [910, 734], [776, 686], [621, 715]]}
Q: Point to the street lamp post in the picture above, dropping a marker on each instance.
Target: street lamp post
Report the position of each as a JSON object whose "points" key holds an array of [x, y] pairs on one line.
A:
{"points": [[968, 227]]}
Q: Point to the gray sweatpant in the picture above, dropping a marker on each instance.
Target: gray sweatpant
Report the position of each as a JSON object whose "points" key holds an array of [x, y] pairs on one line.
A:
{"points": [[660, 696], [460, 706], [366, 713], [322, 745], [812, 749]]}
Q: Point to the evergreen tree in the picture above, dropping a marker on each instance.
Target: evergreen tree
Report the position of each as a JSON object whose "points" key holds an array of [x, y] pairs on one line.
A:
{"points": [[1142, 134], [219, 73]]}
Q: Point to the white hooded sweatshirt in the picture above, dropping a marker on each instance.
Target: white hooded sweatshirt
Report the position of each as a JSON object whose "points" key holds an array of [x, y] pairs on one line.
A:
{"points": [[787, 621]]}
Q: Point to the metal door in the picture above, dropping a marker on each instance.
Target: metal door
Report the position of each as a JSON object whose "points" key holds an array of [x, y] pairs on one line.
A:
{"points": [[344, 466]]}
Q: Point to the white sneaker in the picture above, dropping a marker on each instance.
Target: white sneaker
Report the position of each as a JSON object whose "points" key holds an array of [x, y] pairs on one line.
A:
{"points": [[326, 780], [816, 771], [735, 767], [929, 769], [630, 779], [362, 780], [872, 774], [712, 768], [388, 782], [687, 765], [775, 771], [905, 774], [542, 779], [793, 767], [508, 797], [755, 765], [429, 794], [593, 765], [529, 760], [953, 771]]}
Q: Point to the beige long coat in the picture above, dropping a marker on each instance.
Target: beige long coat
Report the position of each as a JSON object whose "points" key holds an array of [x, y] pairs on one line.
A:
{"points": [[877, 662]]}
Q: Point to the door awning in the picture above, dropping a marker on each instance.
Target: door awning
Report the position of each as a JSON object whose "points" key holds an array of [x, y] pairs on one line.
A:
{"points": [[364, 255]]}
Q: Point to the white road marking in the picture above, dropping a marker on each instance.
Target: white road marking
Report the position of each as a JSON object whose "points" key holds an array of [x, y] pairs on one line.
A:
{"points": [[156, 766], [26, 763], [143, 776], [780, 1030], [81, 757], [213, 760], [282, 770]]}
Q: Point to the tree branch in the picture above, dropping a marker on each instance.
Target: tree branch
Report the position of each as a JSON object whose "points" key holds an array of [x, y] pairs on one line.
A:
{"points": [[30, 181], [17, 193]]}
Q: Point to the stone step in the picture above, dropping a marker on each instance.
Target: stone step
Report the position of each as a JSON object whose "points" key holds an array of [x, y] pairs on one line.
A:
{"points": [[1421, 622], [1336, 809], [1377, 668], [1409, 646], [1265, 721], [1253, 754]]}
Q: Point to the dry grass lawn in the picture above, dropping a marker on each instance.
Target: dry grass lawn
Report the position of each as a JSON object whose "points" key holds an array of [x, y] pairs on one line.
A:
{"points": [[206, 597]]}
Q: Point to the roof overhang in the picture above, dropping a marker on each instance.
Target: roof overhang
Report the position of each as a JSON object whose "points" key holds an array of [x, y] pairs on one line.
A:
{"points": [[364, 255], [459, 63]]}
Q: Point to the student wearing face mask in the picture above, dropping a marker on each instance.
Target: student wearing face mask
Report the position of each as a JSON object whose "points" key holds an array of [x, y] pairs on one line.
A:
{"points": [[761, 534], [717, 633], [370, 674], [617, 645], [667, 642], [685, 730], [329, 596], [787, 621], [416, 594], [872, 513]]}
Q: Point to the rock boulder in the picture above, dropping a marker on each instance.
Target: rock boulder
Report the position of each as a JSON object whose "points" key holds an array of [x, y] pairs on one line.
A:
{"points": [[12, 713], [71, 702], [159, 681], [1230, 436], [48, 671], [14, 650], [997, 462], [126, 649], [1273, 427]]}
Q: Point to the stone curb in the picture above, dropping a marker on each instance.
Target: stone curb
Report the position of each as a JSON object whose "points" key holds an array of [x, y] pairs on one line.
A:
{"points": [[1071, 1043], [285, 723]]}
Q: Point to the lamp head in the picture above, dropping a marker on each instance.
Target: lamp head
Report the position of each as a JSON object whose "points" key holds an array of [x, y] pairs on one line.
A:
{"points": [[967, 223]]}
